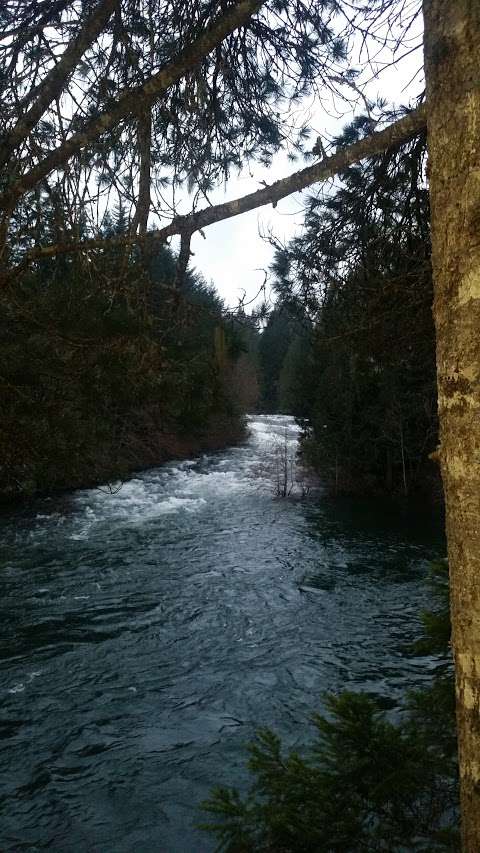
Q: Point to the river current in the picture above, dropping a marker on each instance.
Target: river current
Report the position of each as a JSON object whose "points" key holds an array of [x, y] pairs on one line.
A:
{"points": [[148, 630]]}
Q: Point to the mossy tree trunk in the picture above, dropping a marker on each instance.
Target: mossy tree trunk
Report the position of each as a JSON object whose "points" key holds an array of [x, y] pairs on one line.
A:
{"points": [[452, 62]]}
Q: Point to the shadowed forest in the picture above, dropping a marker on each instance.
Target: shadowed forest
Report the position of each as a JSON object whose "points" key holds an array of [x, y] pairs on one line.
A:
{"points": [[130, 370]]}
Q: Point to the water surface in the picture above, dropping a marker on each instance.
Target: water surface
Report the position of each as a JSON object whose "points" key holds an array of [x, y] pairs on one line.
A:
{"points": [[145, 634]]}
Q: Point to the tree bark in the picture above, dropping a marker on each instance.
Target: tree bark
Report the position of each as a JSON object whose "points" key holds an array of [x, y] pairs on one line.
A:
{"points": [[144, 145], [183, 258], [452, 63]]}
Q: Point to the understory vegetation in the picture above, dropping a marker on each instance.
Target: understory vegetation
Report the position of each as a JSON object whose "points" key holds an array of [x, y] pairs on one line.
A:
{"points": [[366, 783]]}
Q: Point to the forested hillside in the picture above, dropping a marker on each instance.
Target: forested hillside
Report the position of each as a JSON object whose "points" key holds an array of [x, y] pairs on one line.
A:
{"points": [[352, 341], [107, 367]]}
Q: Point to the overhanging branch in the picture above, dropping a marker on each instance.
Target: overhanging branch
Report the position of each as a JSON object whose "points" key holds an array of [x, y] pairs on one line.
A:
{"points": [[395, 134]]}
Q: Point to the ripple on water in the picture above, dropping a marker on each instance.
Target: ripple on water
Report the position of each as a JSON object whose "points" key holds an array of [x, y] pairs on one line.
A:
{"points": [[146, 633]]}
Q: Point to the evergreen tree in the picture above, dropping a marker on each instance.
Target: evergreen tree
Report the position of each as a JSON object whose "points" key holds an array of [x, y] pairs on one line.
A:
{"points": [[187, 87], [273, 347], [106, 369], [361, 276]]}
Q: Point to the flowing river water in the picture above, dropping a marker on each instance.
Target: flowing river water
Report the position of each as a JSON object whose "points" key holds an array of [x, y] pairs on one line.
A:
{"points": [[146, 633]]}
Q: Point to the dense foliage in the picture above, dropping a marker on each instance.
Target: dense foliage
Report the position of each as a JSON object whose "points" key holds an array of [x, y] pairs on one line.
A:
{"points": [[361, 367], [367, 783], [107, 367], [76, 70], [272, 350]]}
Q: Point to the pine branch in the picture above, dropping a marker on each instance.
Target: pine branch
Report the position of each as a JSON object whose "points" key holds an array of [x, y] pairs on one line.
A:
{"points": [[395, 134], [54, 83], [135, 98]]}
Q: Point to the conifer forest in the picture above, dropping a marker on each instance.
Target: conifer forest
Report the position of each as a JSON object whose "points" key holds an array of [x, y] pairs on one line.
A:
{"points": [[240, 426]]}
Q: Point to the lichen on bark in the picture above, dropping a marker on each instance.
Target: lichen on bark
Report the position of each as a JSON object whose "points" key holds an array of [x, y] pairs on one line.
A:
{"points": [[452, 59]]}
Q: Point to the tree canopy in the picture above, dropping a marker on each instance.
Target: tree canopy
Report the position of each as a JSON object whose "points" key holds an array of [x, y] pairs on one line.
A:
{"points": [[135, 99]]}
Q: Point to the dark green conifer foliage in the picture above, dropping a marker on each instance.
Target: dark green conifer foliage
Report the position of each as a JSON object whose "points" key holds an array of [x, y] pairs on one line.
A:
{"points": [[274, 344], [366, 783], [361, 276], [295, 389], [106, 368]]}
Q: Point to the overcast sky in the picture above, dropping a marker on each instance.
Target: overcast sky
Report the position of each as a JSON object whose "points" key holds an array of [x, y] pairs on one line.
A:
{"points": [[233, 254]]}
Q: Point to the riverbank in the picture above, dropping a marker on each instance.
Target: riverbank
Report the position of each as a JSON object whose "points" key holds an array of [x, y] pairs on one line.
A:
{"points": [[149, 447]]}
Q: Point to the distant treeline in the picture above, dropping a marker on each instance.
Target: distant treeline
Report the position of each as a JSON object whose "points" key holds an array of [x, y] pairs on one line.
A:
{"points": [[350, 346], [106, 366]]}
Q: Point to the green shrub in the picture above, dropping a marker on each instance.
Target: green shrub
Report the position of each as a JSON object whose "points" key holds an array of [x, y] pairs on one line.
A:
{"points": [[366, 784]]}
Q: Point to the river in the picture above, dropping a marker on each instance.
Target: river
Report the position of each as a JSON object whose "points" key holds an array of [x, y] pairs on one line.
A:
{"points": [[146, 633]]}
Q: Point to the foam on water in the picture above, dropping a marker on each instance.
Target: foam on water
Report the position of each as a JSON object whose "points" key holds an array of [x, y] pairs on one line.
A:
{"points": [[185, 486]]}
